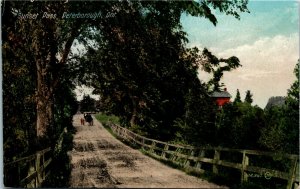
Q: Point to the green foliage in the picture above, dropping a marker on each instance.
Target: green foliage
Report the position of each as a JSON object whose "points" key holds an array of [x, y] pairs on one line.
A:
{"points": [[18, 92], [203, 8], [239, 125], [143, 69], [217, 67], [196, 126], [87, 104], [105, 119], [282, 130], [29, 58], [248, 97], [293, 92], [237, 97]]}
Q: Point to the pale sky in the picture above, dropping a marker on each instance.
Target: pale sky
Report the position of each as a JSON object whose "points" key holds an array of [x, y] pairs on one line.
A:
{"points": [[80, 91], [266, 41]]}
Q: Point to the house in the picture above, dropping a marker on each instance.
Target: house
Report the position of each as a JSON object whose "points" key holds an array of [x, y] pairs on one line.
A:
{"points": [[221, 97]]}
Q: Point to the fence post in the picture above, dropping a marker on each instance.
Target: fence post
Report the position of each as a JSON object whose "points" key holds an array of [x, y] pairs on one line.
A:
{"points": [[216, 160], [166, 148], [152, 147], [174, 155], [134, 138], [187, 161], [245, 163], [37, 169], [125, 133], [143, 141], [201, 155], [32, 169], [43, 164], [19, 173], [292, 174]]}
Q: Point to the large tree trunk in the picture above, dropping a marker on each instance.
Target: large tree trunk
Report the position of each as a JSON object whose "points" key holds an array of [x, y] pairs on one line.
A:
{"points": [[44, 99], [48, 68], [134, 111], [44, 117], [133, 117]]}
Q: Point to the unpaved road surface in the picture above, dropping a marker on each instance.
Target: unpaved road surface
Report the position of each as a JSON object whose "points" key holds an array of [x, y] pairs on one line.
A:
{"points": [[99, 160]]}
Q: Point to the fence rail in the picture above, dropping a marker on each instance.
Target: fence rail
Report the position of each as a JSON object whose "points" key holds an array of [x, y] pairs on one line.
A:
{"points": [[31, 171], [196, 159]]}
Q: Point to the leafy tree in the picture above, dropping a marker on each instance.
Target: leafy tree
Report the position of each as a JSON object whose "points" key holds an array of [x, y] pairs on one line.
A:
{"points": [[29, 59], [87, 104], [282, 130], [211, 64], [237, 97], [44, 39], [142, 41], [248, 97], [293, 92], [239, 125], [18, 92], [142, 66]]}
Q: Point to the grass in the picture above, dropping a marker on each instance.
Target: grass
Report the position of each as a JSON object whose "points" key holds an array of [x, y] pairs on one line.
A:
{"points": [[105, 119]]}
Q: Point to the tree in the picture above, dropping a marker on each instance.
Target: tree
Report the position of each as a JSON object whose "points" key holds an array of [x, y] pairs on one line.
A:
{"points": [[248, 97], [44, 39], [282, 130], [20, 75], [217, 66], [145, 70], [240, 125], [49, 42], [87, 104], [237, 97], [293, 92]]}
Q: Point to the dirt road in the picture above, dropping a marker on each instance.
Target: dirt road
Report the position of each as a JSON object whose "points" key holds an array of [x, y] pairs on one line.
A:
{"points": [[99, 160]]}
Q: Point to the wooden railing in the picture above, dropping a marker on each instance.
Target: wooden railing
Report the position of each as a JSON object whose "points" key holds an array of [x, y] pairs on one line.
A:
{"points": [[28, 172], [200, 160], [31, 171]]}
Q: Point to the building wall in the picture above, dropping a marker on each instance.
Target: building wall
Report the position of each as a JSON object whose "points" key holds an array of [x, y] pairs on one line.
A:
{"points": [[222, 101]]}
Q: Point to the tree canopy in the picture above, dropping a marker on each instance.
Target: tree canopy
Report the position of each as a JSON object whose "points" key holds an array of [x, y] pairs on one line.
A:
{"points": [[248, 97], [136, 59], [142, 68], [237, 98]]}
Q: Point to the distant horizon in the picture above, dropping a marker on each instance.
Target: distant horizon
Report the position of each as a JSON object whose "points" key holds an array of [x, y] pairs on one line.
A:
{"points": [[80, 91]]}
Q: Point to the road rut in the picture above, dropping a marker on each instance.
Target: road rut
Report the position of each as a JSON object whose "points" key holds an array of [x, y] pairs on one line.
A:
{"points": [[99, 160]]}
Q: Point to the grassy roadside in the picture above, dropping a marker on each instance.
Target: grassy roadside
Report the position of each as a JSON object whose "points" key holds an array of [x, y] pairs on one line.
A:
{"points": [[105, 119]]}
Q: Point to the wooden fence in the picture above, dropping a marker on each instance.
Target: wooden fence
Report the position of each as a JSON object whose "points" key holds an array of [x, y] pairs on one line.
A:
{"points": [[31, 171], [28, 172], [200, 160]]}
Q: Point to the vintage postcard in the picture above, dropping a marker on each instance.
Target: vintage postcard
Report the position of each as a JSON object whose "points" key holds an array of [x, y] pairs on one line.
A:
{"points": [[150, 94]]}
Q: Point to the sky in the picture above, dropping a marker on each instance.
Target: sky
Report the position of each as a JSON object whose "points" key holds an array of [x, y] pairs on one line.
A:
{"points": [[266, 41]]}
